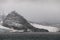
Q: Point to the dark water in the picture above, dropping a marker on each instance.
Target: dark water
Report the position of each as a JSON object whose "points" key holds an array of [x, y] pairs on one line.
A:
{"points": [[30, 36]]}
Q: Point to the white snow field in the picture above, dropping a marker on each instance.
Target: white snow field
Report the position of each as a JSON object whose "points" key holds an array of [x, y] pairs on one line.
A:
{"points": [[49, 28]]}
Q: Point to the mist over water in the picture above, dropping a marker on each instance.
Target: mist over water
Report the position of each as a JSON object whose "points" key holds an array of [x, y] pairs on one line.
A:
{"points": [[33, 10]]}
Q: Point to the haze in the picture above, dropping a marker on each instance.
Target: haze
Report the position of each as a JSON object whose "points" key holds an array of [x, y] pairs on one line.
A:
{"points": [[33, 10]]}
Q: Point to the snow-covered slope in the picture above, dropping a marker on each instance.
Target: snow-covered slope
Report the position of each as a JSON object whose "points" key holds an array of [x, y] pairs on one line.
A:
{"points": [[49, 28]]}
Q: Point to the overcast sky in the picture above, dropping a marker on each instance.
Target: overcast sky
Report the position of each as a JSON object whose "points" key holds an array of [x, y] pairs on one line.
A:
{"points": [[33, 10]]}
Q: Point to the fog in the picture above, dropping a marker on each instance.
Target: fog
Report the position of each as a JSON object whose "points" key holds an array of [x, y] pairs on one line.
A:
{"points": [[33, 10]]}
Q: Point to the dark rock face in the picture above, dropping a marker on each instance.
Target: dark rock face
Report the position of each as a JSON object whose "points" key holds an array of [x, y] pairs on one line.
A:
{"points": [[18, 22], [44, 30], [14, 20], [41, 30]]}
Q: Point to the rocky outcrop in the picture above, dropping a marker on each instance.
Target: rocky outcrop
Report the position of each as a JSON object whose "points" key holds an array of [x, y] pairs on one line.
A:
{"points": [[18, 22], [15, 21]]}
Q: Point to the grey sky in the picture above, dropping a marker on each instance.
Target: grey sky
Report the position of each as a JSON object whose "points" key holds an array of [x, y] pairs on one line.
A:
{"points": [[33, 10]]}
